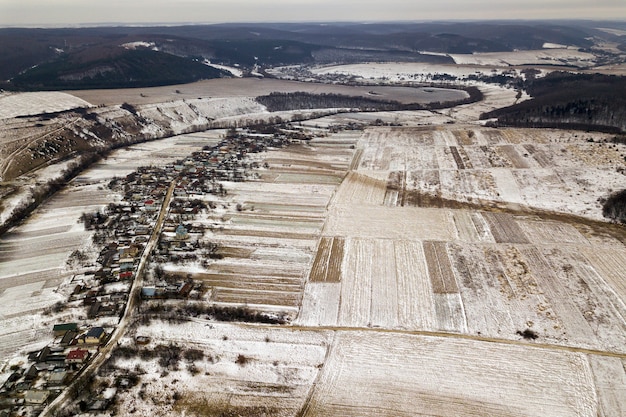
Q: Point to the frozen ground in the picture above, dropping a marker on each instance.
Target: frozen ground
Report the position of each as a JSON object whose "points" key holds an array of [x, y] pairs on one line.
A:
{"points": [[432, 268], [24, 104]]}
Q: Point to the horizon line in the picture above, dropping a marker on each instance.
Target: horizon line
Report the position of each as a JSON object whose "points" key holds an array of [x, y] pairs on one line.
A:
{"points": [[312, 22]]}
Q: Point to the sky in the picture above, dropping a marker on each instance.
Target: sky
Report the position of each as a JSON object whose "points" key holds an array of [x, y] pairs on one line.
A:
{"points": [[93, 12]]}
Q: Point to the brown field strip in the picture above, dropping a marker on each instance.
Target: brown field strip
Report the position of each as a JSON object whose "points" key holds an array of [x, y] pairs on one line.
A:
{"points": [[463, 137], [295, 162], [512, 155], [328, 260], [440, 268], [356, 160], [538, 155], [258, 271], [504, 228], [252, 283], [335, 261], [271, 218], [457, 158], [232, 252], [231, 277], [320, 265]]}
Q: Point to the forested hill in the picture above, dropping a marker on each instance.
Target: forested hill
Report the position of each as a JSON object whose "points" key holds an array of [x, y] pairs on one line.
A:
{"points": [[566, 100], [113, 67]]}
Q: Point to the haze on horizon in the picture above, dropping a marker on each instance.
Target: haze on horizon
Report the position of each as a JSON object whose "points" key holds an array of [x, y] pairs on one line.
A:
{"points": [[145, 12]]}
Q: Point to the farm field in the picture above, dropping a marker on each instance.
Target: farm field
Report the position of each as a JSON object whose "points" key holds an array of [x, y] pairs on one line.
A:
{"points": [[24, 104], [252, 87], [386, 374], [423, 269]]}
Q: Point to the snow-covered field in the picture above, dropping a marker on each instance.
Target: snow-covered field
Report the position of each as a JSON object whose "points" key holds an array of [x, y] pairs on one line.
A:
{"points": [[389, 374], [248, 369], [432, 268], [554, 55], [25, 104], [226, 88]]}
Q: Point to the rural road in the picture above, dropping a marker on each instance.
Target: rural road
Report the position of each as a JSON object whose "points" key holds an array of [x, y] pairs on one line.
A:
{"points": [[119, 331]]}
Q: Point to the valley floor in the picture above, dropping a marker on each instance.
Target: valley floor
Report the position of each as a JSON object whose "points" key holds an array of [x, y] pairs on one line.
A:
{"points": [[427, 269]]}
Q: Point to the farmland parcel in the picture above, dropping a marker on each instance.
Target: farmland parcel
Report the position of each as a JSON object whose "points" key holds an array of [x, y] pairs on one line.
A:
{"points": [[442, 269]]}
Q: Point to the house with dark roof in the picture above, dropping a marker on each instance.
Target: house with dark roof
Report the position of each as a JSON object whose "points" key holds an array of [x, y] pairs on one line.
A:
{"points": [[68, 338], [61, 328], [94, 336]]}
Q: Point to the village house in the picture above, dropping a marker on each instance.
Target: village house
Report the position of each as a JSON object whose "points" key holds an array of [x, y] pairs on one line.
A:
{"points": [[62, 328], [125, 275], [181, 232], [94, 336], [150, 205], [126, 264], [77, 356]]}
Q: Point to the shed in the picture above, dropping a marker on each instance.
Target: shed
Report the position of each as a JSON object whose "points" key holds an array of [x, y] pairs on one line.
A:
{"points": [[68, 338], [36, 396], [148, 292], [31, 373], [58, 378]]}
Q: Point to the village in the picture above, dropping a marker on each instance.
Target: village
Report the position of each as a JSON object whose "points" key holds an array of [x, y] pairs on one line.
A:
{"points": [[122, 231]]}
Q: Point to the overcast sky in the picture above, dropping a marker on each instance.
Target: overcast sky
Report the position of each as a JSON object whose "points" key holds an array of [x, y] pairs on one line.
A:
{"points": [[86, 12]]}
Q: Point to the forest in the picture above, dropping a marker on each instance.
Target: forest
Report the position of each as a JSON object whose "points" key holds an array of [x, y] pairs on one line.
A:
{"points": [[279, 101], [569, 100]]}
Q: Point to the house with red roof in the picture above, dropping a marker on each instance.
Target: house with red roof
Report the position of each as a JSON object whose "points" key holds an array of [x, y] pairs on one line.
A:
{"points": [[78, 356]]}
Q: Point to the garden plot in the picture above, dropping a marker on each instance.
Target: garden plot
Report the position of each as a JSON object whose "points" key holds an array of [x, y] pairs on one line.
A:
{"points": [[610, 265], [383, 374], [504, 228], [498, 165], [549, 232], [32, 265], [276, 228], [551, 290], [159, 152], [248, 370]]}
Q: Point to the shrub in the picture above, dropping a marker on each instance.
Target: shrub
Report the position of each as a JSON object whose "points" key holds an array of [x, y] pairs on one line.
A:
{"points": [[242, 360], [528, 334], [614, 207]]}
